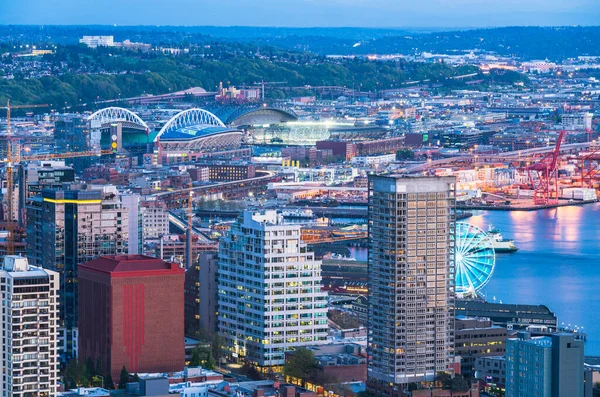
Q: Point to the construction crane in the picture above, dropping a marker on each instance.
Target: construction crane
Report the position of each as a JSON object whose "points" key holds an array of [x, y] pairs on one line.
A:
{"points": [[263, 83], [188, 234], [66, 155], [10, 246], [589, 165], [15, 158], [544, 174]]}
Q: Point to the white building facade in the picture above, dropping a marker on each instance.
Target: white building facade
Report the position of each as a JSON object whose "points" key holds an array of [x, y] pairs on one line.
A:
{"points": [[269, 290], [95, 41], [29, 328], [577, 121]]}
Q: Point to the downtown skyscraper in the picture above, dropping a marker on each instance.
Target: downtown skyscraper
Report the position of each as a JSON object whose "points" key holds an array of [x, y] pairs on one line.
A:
{"points": [[66, 228], [411, 271], [269, 290]]}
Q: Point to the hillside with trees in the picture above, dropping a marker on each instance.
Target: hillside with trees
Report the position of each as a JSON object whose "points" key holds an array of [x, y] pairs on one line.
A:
{"points": [[76, 76]]}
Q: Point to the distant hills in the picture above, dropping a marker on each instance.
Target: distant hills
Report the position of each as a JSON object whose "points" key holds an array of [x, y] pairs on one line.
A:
{"points": [[553, 43]]}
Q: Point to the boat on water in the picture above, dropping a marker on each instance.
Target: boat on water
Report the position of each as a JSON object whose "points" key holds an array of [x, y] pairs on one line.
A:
{"points": [[306, 213], [500, 243], [338, 257]]}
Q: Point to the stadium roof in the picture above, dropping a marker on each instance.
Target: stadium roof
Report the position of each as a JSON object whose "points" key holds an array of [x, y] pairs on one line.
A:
{"points": [[251, 114], [194, 132]]}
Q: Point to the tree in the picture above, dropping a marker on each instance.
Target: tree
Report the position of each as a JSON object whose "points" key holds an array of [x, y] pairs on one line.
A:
{"points": [[459, 383], [136, 377], [216, 347], [108, 382], [89, 368], [99, 369], [76, 374], [405, 154], [300, 365], [195, 360], [124, 378], [443, 379]]}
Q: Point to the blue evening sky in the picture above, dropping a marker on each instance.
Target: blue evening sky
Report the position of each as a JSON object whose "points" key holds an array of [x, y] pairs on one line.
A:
{"points": [[303, 13]]}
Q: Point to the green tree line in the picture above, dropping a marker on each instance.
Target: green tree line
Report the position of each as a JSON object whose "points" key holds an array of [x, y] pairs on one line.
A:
{"points": [[163, 75]]}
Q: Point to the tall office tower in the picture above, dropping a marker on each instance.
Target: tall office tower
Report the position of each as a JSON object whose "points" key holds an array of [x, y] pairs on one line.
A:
{"points": [[71, 133], [29, 329], [544, 366], [411, 269], [69, 227], [270, 297], [131, 314]]}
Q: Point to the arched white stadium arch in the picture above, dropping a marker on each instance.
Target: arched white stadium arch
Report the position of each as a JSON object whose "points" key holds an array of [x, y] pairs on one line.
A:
{"points": [[189, 118], [114, 114]]}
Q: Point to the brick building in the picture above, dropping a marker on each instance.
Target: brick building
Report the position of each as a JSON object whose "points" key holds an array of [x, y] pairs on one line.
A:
{"points": [[227, 171], [343, 149], [131, 314]]}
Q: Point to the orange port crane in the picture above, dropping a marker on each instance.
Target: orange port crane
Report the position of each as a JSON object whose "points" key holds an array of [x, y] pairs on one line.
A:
{"points": [[543, 175]]}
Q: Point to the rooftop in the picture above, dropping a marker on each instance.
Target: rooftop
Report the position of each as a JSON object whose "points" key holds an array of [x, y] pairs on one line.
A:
{"points": [[127, 263], [195, 131]]}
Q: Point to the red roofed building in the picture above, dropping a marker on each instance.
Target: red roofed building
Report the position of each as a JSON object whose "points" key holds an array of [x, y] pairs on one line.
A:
{"points": [[131, 313]]}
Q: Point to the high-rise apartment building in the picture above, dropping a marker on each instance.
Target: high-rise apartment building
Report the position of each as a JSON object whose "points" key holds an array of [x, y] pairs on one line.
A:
{"points": [[545, 366], [411, 269], [270, 297], [29, 329], [69, 227], [131, 314]]}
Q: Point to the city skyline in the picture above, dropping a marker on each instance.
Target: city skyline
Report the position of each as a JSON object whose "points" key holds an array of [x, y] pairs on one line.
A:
{"points": [[304, 13], [213, 211]]}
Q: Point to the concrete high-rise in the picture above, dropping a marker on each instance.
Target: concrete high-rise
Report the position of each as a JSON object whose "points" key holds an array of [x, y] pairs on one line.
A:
{"points": [[411, 271], [546, 366], [29, 329], [155, 219], [270, 297], [131, 314], [69, 227]]}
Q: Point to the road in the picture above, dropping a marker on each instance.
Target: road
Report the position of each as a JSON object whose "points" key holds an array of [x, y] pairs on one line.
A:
{"points": [[182, 224], [513, 155]]}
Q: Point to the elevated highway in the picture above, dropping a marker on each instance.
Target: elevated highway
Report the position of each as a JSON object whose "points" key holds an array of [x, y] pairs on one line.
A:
{"points": [[182, 225], [516, 155], [235, 189]]}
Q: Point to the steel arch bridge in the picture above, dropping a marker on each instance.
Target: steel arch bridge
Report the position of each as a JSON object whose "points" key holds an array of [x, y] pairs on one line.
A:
{"points": [[124, 116], [188, 118]]}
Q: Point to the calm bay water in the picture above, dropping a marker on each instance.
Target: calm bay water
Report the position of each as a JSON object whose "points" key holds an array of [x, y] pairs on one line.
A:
{"points": [[557, 265]]}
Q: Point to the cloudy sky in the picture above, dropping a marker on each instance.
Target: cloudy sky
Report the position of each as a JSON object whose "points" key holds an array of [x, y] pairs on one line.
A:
{"points": [[303, 13]]}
